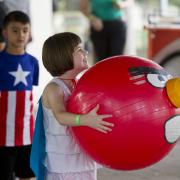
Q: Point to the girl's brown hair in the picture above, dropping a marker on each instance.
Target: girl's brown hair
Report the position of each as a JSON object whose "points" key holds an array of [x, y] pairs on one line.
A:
{"points": [[57, 53]]}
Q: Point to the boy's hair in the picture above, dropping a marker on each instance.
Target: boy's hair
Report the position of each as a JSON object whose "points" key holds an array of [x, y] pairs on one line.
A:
{"points": [[57, 53], [17, 16]]}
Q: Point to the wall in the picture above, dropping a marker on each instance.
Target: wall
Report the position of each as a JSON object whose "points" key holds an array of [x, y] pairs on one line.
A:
{"points": [[41, 18]]}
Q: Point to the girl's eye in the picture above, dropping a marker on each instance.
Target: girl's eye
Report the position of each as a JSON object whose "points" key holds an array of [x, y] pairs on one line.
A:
{"points": [[80, 50], [158, 80]]}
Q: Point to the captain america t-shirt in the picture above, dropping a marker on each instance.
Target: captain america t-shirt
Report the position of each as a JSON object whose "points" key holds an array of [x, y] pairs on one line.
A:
{"points": [[18, 74]]}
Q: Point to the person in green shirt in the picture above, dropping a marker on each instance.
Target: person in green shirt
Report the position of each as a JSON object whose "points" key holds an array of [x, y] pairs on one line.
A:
{"points": [[108, 29]]}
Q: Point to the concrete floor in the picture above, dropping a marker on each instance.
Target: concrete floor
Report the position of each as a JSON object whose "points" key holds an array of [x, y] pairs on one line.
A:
{"points": [[167, 169]]}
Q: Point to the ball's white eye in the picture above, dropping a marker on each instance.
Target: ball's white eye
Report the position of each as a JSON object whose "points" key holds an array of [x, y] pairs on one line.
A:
{"points": [[158, 80]]}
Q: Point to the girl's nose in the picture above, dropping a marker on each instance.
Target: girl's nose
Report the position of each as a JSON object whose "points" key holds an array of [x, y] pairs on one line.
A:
{"points": [[173, 91]]}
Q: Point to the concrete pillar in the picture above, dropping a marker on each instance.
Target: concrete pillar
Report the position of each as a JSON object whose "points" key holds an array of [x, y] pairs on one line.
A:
{"points": [[163, 5], [41, 19], [130, 48]]}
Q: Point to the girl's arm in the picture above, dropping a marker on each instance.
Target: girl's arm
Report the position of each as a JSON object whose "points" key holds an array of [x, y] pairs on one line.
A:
{"points": [[55, 98]]}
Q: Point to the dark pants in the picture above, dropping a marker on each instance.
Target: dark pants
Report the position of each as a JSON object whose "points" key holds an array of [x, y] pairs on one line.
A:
{"points": [[15, 161], [110, 41]]}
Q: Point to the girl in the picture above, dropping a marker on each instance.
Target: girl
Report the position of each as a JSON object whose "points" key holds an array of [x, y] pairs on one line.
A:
{"points": [[64, 58]]}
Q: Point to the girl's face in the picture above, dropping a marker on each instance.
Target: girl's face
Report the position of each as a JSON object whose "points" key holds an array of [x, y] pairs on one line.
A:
{"points": [[80, 58]]}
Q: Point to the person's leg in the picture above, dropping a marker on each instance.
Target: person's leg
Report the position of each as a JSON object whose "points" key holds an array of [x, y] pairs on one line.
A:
{"points": [[27, 178], [22, 166], [117, 38], [7, 162]]}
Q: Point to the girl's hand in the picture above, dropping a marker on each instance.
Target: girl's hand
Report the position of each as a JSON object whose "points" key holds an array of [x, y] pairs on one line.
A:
{"points": [[95, 121]]}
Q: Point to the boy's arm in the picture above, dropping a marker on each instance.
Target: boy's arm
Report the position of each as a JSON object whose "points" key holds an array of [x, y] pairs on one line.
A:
{"points": [[36, 73]]}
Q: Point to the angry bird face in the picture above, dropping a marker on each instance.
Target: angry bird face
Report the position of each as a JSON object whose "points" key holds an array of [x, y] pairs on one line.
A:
{"points": [[144, 110], [155, 77], [158, 78]]}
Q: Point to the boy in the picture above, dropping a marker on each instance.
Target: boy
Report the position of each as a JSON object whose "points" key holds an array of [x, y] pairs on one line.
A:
{"points": [[19, 72], [7, 6]]}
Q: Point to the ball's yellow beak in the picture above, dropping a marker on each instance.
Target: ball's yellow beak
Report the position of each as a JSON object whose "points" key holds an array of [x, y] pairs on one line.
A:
{"points": [[173, 91]]}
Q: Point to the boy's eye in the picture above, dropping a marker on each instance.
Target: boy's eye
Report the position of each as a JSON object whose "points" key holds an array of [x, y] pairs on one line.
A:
{"points": [[25, 30], [14, 30]]}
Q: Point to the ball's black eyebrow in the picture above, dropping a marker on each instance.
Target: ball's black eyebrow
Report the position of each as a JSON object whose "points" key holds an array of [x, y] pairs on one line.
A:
{"points": [[134, 71]]}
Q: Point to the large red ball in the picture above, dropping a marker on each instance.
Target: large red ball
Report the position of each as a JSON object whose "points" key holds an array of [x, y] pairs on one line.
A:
{"points": [[122, 87]]}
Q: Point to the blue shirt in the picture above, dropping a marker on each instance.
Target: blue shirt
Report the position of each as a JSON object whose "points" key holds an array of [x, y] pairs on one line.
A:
{"points": [[14, 66]]}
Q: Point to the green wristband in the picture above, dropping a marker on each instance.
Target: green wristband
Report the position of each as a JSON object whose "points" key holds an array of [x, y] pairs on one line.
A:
{"points": [[78, 120]]}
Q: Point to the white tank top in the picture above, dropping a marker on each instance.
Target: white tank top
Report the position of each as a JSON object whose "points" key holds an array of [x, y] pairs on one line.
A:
{"points": [[63, 153]]}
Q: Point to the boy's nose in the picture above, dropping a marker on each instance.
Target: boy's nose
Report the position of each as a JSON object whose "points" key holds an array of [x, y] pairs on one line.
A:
{"points": [[21, 34]]}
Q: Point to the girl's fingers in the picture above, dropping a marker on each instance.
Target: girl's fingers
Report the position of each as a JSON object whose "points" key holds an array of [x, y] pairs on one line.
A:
{"points": [[101, 130], [107, 123], [95, 109], [104, 128], [107, 128], [105, 116]]}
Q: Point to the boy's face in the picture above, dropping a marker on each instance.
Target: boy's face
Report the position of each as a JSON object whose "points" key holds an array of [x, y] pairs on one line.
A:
{"points": [[17, 34]]}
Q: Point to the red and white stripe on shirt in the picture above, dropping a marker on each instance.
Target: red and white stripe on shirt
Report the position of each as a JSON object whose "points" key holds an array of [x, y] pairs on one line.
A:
{"points": [[16, 118]]}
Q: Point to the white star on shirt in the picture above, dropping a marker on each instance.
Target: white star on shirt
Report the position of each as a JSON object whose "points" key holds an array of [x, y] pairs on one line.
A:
{"points": [[20, 75]]}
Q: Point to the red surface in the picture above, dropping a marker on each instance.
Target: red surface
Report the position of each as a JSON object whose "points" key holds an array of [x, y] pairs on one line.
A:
{"points": [[159, 38]]}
